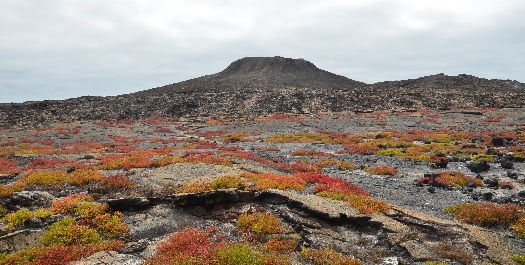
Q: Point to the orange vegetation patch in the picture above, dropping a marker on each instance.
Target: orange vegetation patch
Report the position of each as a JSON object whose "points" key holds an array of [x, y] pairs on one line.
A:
{"points": [[60, 255], [188, 246], [340, 189], [452, 179], [486, 213], [67, 204], [265, 181], [331, 162], [259, 223], [326, 183], [7, 166]]}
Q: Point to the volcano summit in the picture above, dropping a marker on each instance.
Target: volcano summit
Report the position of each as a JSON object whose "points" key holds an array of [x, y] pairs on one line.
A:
{"points": [[269, 85]]}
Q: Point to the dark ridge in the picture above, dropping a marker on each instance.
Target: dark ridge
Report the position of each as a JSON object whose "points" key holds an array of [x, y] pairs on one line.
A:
{"points": [[262, 73], [256, 86], [461, 81]]}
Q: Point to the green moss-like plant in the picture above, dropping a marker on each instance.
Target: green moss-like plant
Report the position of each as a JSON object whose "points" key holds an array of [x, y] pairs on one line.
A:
{"points": [[260, 223], [42, 213], [3, 211], [67, 232], [227, 182], [46, 177], [519, 259], [111, 225], [519, 227], [18, 218], [90, 209], [241, 254]]}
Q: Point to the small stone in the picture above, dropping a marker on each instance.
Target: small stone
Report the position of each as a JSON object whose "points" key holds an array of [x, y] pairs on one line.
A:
{"points": [[390, 261], [472, 184], [431, 189], [491, 183], [135, 247], [496, 141], [507, 164], [512, 175], [488, 196]]}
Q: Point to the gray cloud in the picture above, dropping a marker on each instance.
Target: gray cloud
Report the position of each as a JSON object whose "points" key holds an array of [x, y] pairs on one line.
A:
{"points": [[62, 49]]}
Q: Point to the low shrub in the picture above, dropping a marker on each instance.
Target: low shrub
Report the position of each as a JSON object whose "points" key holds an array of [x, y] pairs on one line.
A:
{"points": [[328, 256], [110, 225], [363, 204], [331, 184], [87, 209], [68, 232], [381, 170], [46, 177], [42, 213], [506, 184], [519, 259], [227, 182], [18, 218], [394, 152], [188, 246], [435, 161], [6, 190], [81, 177], [519, 227], [40, 163], [259, 223], [239, 253], [7, 166], [264, 181], [117, 181], [452, 179], [280, 245], [297, 167], [3, 211], [486, 213], [67, 204], [361, 149], [341, 165], [195, 187], [58, 255]]}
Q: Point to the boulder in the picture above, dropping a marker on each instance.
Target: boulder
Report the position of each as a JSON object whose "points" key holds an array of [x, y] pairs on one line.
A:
{"points": [[30, 199], [478, 167], [507, 164]]}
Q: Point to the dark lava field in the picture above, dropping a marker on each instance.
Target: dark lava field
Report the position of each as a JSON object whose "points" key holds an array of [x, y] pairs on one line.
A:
{"points": [[375, 187]]}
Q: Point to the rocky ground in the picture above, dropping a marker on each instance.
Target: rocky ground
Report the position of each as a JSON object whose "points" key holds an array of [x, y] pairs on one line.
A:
{"points": [[166, 198]]}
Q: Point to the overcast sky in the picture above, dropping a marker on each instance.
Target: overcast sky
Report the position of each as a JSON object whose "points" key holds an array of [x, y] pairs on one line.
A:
{"points": [[61, 49]]}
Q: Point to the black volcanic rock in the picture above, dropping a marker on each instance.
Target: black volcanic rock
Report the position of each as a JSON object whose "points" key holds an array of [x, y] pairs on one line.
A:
{"points": [[269, 85], [262, 73]]}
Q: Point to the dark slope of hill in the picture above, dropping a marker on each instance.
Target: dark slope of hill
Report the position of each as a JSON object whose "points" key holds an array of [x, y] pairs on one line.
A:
{"points": [[261, 73], [259, 86]]}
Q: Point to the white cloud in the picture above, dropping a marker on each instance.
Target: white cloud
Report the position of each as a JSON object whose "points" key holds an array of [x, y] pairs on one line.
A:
{"points": [[70, 48]]}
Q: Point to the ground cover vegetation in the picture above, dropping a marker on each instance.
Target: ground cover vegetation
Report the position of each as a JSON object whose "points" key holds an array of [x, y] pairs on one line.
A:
{"points": [[93, 160]]}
